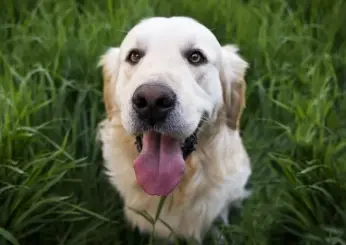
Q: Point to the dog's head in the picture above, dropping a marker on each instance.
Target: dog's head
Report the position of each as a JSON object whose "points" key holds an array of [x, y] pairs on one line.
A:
{"points": [[168, 76]]}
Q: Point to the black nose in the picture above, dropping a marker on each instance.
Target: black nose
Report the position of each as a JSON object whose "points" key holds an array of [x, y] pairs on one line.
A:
{"points": [[153, 102]]}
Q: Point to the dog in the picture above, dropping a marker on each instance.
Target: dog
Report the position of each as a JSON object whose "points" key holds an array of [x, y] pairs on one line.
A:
{"points": [[174, 97]]}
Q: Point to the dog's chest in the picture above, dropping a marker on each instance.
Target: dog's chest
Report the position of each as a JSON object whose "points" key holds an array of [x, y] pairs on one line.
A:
{"points": [[188, 214]]}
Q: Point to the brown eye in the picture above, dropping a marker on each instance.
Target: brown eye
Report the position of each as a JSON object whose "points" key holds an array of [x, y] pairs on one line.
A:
{"points": [[134, 56], [196, 58]]}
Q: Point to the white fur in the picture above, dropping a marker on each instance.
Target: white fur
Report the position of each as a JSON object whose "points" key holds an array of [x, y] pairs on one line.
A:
{"points": [[220, 163]]}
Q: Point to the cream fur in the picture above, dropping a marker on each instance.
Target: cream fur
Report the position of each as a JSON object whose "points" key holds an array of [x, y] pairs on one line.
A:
{"points": [[216, 173]]}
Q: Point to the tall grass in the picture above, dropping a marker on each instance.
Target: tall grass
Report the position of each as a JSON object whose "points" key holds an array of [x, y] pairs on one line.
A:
{"points": [[52, 190]]}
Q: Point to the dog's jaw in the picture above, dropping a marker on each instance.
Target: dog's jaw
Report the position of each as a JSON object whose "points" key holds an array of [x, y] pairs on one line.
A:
{"points": [[188, 145]]}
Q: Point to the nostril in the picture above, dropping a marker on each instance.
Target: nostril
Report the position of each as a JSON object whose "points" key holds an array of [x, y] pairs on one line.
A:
{"points": [[140, 102], [164, 102]]}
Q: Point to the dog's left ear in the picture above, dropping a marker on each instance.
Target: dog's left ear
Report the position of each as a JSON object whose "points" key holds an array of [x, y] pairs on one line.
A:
{"points": [[110, 66], [232, 76]]}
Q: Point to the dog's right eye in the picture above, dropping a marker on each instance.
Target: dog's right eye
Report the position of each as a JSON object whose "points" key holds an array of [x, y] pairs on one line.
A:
{"points": [[134, 56], [195, 57]]}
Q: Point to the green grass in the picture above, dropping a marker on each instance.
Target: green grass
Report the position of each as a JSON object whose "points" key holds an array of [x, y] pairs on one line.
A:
{"points": [[52, 190]]}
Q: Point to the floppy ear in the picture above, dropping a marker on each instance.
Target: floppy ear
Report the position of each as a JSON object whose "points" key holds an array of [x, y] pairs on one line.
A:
{"points": [[110, 66], [233, 69]]}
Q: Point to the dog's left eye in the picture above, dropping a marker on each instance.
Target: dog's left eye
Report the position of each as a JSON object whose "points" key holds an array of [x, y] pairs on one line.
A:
{"points": [[134, 56], [196, 57]]}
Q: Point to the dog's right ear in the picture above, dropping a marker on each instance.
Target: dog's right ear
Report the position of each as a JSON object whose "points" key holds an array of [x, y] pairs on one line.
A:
{"points": [[233, 84], [110, 66]]}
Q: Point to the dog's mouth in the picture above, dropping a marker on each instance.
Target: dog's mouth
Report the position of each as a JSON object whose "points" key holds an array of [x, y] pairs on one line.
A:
{"points": [[161, 161]]}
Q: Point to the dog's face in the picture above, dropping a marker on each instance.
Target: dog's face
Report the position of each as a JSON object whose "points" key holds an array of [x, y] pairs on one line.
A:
{"points": [[168, 76]]}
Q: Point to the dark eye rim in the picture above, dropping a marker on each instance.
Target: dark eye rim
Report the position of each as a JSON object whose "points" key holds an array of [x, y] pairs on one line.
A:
{"points": [[139, 52], [191, 52]]}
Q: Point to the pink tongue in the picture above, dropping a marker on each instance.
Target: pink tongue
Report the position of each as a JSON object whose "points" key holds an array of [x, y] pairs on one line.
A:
{"points": [[160, 164]]}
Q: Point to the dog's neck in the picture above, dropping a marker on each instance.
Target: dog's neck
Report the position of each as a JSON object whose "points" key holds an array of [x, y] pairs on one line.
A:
{"points": [[208, 160]]}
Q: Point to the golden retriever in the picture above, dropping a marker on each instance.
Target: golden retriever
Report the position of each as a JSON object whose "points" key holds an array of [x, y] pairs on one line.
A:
{"points": [[175, 91]]}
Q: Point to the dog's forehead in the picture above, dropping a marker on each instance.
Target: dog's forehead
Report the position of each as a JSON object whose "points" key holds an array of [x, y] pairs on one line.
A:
{"points": [[174, 30]]}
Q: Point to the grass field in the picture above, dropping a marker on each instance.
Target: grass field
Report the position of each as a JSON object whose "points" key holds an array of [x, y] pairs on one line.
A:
{"points": [[52, 190]]}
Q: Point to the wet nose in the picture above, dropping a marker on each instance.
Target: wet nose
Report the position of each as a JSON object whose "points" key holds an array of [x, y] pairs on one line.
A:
{"points": [[153, 102]]}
